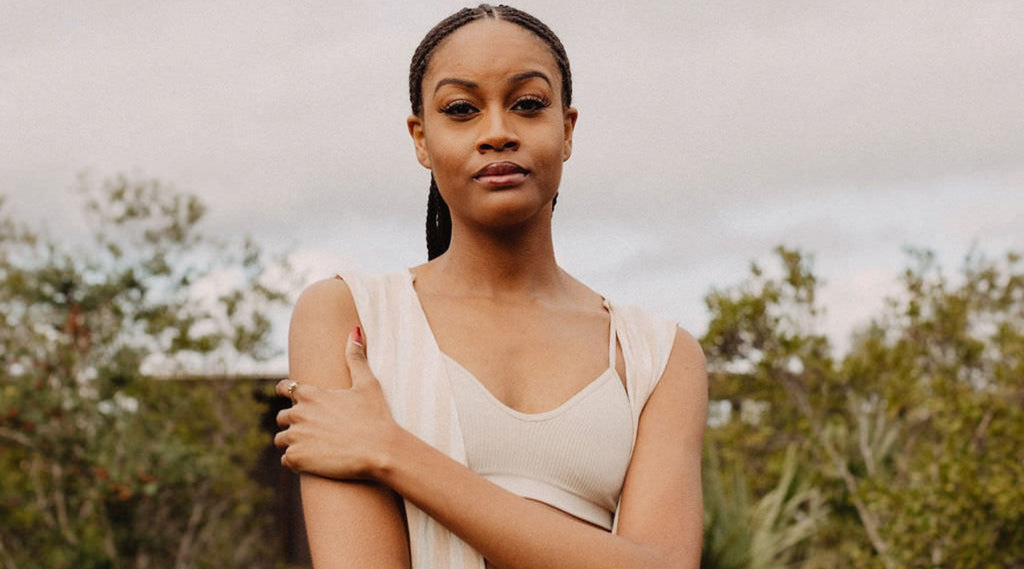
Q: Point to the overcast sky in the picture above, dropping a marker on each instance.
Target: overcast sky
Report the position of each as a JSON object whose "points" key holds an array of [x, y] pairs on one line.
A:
{"points": [[709, 132]]}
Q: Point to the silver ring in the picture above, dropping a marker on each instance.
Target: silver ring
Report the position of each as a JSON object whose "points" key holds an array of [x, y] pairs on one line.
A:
{"points": [[291, 390]]}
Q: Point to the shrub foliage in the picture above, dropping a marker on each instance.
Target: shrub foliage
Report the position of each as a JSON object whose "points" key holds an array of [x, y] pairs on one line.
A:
{"points": [[912, 437], [101, 465]]}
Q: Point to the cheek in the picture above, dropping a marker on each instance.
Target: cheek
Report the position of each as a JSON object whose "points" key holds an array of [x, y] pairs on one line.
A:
{"points": [[447, 150], [448, 170], [447, 165], [552, 150]]}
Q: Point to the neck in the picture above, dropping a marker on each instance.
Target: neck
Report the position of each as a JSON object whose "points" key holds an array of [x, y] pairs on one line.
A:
{"points": [[511, 263]]}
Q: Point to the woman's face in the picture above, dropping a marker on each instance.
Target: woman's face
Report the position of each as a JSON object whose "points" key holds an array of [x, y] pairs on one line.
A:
{"points": [[493, 129]]}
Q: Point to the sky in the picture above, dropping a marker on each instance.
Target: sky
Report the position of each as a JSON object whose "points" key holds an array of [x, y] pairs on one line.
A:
{"points": [[709, 133]]}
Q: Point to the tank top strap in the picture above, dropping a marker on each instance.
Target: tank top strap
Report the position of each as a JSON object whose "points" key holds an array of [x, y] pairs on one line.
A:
{"points": [[612, 338]]}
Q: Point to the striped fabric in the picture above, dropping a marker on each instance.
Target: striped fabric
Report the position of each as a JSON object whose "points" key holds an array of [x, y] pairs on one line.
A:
{"points": [[405, 358]]}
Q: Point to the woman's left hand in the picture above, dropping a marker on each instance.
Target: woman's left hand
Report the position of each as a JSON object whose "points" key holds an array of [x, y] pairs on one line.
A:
{"points": [[337, 433]]}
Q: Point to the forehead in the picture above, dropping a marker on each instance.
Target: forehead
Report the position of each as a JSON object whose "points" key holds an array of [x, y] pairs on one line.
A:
{"points": [[489, 47]]}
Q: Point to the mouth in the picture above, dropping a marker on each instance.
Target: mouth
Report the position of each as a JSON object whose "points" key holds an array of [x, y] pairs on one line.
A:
{"points": [[501, 174]]}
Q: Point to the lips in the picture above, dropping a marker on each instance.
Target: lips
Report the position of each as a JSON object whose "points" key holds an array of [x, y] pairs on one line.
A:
{"points": [[501, 174]]}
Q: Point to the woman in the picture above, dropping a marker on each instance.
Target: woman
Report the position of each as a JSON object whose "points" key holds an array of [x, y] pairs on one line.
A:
{"points": [[487, 356]]}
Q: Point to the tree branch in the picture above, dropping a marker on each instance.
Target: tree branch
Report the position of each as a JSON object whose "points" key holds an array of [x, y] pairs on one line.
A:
{"points": [[16, 437], [60, 501], [42, 504], [6, 555], [866, 517], [185, 547], [980, 430]]}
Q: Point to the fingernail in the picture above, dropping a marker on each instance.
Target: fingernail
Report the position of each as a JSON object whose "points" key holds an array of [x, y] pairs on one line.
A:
{"points": [[357, 336]]}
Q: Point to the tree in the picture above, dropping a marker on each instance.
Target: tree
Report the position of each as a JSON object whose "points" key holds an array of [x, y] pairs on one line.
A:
{"points": [[769, 373], [912, 437], [101, 465], [941, 375]]}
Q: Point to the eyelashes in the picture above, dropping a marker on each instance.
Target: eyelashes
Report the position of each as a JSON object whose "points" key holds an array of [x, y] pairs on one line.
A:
{"points": [[531, 103], [527, 105], [459, 109]]}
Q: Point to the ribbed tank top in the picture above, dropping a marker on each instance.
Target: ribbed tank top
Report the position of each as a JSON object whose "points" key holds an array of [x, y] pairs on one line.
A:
{"points": [[573, 457]]}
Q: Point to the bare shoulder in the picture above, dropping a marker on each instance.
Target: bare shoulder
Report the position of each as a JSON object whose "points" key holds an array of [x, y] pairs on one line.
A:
{"points": [[679, 401], [687, 354], [685, 380], [321, 321], [325, 306], [326, 296]]}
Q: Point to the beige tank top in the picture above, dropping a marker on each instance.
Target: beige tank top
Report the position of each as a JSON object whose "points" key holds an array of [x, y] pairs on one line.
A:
{"points": [[573, 457], [419, 386]]}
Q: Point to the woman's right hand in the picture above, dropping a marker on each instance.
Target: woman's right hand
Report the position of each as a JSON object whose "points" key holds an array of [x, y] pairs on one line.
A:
{"points": [[337, 433]]}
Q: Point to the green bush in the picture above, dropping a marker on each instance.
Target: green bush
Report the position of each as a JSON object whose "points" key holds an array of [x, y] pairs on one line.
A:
{"points": [[101, 465], [912, 438]]}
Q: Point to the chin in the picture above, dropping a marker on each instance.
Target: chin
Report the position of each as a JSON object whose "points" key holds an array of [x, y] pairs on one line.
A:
{"points": [[514, 213]]}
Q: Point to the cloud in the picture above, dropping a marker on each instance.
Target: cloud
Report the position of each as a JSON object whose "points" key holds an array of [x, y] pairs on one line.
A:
{"points": [[709, 132], [707, 103], [727, 101]]}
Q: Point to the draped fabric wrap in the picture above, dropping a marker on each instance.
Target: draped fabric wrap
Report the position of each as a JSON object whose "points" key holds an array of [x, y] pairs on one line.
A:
{"points": [[404, 356]]}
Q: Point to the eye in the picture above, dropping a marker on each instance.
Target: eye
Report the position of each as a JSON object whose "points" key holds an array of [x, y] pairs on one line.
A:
{"points": [[459, 109], [531, 104]]}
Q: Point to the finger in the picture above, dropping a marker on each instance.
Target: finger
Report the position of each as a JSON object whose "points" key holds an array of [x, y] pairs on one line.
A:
{"points": [[288, 388], [355, 355], [284, 418], [281, 440], [290, 461], [286, 461]]}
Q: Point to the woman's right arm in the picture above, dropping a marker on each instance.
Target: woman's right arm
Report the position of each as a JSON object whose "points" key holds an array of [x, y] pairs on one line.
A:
{"points": [[349, 524]]}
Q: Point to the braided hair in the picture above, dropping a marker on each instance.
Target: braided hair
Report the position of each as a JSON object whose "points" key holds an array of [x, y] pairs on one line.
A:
{"points": [[439, 218]]}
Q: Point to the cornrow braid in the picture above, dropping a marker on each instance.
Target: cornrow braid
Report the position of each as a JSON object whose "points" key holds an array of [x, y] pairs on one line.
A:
{"points": [[439, 219]]}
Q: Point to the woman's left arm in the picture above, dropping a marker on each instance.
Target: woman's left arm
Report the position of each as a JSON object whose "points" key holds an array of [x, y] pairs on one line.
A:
{"points": [[661, 514]]}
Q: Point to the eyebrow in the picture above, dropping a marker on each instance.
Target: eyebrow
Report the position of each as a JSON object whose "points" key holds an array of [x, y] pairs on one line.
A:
{"points": [[453, 81], [517, 78], [520, 77]]}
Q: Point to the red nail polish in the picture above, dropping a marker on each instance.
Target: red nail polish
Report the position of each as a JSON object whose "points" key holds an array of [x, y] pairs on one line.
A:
{"points": [[358, 335]]}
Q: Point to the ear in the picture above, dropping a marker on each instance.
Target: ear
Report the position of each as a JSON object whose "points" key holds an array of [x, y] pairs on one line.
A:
{"points": [[569, 120], [415, 125]]}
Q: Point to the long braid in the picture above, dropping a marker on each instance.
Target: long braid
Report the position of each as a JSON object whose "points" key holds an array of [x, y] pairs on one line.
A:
{"points": [[439, 222], [439, 219]]}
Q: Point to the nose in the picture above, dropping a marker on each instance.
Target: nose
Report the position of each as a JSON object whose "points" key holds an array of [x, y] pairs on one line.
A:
{"points": [[496, 134]]}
